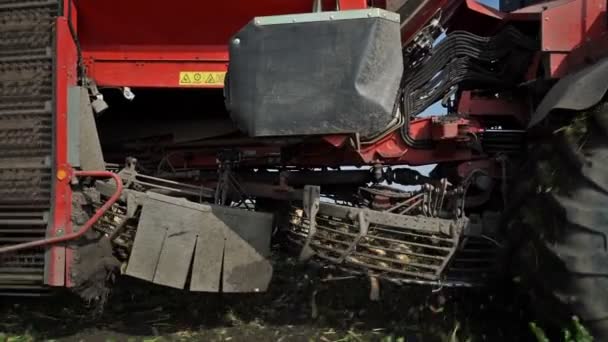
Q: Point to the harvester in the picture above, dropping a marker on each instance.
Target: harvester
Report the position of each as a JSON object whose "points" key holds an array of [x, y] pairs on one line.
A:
{"points": [[173, 142]]}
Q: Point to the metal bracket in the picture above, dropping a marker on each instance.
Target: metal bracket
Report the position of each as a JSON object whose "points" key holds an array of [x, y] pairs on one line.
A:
{"points": [[363, 228], [311, 199], [98, 104]]}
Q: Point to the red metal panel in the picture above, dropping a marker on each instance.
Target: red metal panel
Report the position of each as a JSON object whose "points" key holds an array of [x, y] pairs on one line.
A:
{"points": [[181, 53], [486, 10], [182, 22], [556, 64], [352, 4], [471, 105], [152, 66], [574, 34], [66, 75], [445, 130], [392, 150], [477, 18], [562, 26], [148, 73], [148, 46]]}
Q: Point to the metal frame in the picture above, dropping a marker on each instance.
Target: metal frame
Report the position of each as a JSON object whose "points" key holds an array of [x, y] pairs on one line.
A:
{"points": [[565, 47], [61, 236], [65, 68], [156, 67], [361, 220]]}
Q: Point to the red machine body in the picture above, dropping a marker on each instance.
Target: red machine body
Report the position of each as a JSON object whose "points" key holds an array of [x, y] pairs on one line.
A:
{"points": [[170, 50], [154, 48], [137, 44], [134, 44]]}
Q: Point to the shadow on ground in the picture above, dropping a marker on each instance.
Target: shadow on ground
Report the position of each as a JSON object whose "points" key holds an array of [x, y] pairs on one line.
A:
{"points": [[296, 308]]}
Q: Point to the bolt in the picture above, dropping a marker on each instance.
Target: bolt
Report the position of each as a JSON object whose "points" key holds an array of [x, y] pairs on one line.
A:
{"points": [[59, 232], [127, 93], [236, 41]]}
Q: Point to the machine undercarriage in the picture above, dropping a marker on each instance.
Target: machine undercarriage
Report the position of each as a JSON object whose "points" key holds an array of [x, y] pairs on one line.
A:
{"points": [[414, 231], [330, 171]]}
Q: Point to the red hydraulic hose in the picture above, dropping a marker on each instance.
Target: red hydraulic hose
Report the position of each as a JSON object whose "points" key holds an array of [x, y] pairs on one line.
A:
{"points": [[84, 228]]}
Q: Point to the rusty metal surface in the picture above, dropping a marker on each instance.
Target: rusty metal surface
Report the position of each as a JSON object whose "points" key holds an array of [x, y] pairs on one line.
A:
{"points": [[218, 248], [26, 94]]}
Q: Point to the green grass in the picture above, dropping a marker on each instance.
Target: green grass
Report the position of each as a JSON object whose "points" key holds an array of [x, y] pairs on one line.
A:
{"points": [[17, 338], [576, 332]]}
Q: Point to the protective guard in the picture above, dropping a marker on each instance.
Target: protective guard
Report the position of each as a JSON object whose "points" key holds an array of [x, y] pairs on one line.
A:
{"points": [[201, 247]]}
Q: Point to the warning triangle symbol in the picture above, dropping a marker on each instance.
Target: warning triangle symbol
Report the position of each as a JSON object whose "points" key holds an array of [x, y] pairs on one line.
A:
{"points": [[210, 79], [186, 79]]}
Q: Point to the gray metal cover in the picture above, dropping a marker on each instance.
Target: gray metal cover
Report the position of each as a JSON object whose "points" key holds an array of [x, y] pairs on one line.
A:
{"points": [[218, 248], [84, 147], [309, 74], [327, 16]]}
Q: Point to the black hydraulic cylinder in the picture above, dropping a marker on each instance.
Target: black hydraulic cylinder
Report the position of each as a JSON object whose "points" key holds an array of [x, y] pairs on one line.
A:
{"points": [[336, 177], [409, 177], [300, 178]]}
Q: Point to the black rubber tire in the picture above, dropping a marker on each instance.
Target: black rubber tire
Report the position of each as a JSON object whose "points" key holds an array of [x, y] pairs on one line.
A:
{"points": [[565, 259]]}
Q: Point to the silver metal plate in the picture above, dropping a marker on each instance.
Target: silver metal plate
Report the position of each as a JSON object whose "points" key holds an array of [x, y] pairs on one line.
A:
{"points": [[327, 16], [208, 259], [84, 148], [218, 248], [245, 265]]}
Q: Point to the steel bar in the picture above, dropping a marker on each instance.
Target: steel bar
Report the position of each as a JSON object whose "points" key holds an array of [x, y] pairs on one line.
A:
{"points": [[85, 227]]}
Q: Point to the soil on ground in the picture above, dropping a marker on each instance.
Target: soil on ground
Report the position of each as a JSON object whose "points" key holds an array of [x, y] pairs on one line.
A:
{"points": [[302, 304]]}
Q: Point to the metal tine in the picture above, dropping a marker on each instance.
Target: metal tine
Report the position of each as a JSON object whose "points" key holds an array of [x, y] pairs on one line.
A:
{"points": [[396, 261], [413, 198], [403, 232], [350, 259], [387, 249]]}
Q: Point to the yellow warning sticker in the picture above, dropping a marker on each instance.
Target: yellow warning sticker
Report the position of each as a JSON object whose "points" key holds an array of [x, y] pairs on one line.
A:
{"points": [[202, 78]]}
